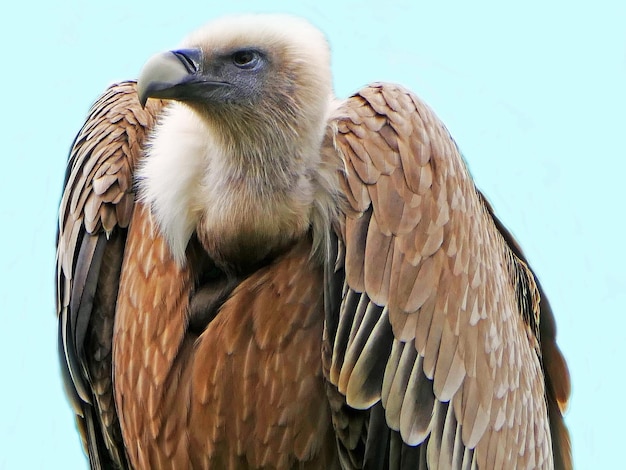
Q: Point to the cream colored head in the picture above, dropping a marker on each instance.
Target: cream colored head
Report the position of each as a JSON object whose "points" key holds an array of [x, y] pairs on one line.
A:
{"points": [[264, 71]]}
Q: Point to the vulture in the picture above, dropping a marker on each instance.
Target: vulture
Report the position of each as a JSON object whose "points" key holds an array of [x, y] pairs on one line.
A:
{"points": [[254, 274]]}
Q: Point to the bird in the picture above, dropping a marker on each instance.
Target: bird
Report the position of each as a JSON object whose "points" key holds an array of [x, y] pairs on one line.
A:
{"points": [[255, 274]]}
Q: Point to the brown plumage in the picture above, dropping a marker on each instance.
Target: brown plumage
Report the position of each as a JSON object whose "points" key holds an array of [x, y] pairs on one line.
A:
{"points": [[251, 274]]}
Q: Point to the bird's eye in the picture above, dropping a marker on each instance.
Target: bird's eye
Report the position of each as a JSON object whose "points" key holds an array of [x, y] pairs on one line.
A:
{"points": [[245, 59]]}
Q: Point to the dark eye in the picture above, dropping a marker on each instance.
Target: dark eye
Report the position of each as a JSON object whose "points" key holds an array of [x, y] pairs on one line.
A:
{"points": [[245, 59]]}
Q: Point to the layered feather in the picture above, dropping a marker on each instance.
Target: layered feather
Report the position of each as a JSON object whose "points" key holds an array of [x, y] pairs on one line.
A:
{"points": [[434, 286]]}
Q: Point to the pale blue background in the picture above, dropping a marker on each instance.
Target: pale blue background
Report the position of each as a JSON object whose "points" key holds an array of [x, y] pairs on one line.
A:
{"points": [[533, 93]]}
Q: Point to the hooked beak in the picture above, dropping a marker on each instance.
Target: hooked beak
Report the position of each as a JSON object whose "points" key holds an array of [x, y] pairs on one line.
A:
{"points": [[176, 75]]}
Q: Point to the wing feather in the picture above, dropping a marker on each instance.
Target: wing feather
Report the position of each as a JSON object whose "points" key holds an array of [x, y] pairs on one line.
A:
{"points": [[367, 315], [417, 405], [396, 378], [95, 210], [364, 386], [378, 249], [461, 373]]}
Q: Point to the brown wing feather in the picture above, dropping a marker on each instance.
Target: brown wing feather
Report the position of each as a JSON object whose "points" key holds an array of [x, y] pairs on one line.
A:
{"points": [[422, 244], [95, 210]]}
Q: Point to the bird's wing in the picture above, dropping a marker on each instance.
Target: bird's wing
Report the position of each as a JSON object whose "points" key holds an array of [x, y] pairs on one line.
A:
{"points": [[95, 210], [433, 353], [557, 379]]}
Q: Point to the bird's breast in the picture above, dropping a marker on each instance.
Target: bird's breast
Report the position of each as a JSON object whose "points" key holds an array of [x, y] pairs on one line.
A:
{"points": [[241, 228], [248, 392]]}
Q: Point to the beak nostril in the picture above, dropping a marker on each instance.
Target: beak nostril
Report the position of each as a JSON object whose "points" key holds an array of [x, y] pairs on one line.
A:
{"points": [[190, 58]]}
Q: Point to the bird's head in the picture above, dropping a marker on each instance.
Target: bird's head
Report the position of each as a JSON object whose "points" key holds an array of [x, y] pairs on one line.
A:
{"points": [[247, 74], [237, 156]]}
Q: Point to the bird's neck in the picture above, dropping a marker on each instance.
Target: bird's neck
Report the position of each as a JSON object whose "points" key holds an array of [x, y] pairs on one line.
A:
{"points": [[246, 198], [254, 205], [268, 158]]}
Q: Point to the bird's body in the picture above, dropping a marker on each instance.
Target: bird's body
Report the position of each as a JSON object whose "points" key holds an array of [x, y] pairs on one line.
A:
{"points": [[256, 275], [261, 405]]}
